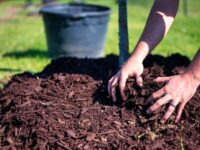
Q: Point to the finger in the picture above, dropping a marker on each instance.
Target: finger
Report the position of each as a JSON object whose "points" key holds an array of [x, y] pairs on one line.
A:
{"points": [[113, 88], [161, 79], [180, 111], [168, 113], [159, 103], [139, 80], [122, 84], [154, 96], [114, 94], [109, 86]]}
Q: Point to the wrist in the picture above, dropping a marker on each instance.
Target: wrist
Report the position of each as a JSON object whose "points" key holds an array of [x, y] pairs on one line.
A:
{"points": [[193, 70], [135, 59], [140, 52], [191, 76]]}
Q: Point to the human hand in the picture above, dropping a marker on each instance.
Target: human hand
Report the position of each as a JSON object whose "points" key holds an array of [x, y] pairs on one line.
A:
{"points": [[130, 69], [178, 90]]}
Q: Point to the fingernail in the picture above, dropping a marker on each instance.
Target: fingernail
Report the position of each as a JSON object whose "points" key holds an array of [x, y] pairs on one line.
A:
{"points": [[162, 121]]}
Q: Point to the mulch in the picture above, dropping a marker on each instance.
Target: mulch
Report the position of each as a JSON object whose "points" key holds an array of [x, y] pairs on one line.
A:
{"points": [[67, 106]]}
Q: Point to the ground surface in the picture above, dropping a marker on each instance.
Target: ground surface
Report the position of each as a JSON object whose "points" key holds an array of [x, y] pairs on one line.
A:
{"points": [[22, 38], [66, 106]]}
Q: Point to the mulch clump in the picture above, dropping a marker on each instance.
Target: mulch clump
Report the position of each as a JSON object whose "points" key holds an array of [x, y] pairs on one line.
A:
{"points": [[67, 106]]}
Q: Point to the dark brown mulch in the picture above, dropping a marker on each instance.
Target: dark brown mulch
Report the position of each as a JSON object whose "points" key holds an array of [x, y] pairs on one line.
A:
{"points": [[66, 106]]}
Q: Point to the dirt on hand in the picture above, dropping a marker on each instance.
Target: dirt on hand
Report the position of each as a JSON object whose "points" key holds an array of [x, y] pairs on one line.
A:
{"points": [[67, 106]]}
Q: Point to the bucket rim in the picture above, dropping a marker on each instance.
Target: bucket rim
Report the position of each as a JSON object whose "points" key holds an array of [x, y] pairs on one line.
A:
{"points": [[46, 10]]}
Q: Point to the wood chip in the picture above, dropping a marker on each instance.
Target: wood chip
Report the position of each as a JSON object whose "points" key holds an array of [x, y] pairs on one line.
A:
{"points": [[71, 133], [90, 137]]}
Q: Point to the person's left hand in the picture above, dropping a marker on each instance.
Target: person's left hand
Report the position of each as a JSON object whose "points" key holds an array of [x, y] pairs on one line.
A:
{"points": [[178, 91]]}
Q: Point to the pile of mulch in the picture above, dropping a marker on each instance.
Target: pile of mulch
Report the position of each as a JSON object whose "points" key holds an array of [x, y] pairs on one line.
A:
{"points": [[67, 106]]}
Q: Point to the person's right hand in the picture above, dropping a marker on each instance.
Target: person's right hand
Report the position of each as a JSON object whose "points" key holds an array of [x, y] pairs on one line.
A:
{"points": [[129, 69]]}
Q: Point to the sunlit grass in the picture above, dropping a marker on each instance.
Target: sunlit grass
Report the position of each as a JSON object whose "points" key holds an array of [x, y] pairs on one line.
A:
{"points": [[23, 46]]}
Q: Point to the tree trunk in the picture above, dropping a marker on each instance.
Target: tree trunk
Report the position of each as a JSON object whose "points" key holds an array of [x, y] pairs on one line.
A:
{"points": [[185, 7], [123, 31]]}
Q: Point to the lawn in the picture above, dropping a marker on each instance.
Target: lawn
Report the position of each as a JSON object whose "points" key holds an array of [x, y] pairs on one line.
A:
{"points": [[22, 38]]}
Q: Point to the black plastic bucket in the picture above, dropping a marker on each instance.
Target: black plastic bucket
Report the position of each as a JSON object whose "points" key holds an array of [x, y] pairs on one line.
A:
{"points": [[76, 30]]}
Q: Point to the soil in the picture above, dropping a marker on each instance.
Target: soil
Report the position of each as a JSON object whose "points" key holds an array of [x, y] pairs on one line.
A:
{"points": [[67, 106]]}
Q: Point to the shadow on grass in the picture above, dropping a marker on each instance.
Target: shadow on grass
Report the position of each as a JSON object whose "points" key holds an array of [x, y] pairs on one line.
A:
{"points": [[9, 70], [30, 53]]}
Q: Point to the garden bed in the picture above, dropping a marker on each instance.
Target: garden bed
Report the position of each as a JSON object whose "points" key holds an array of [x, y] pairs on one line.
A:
{"points": [[67, 106]]}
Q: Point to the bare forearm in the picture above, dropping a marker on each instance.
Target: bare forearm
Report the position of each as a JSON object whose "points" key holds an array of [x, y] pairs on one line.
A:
{"points": [[159, 21], [193, 69]]}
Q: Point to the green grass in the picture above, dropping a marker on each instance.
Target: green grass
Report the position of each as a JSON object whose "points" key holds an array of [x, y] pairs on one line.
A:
{"points": [[23, 46]]}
